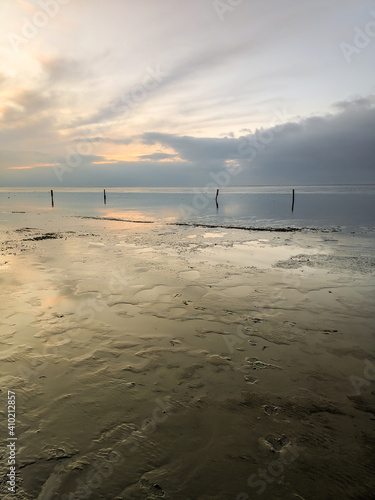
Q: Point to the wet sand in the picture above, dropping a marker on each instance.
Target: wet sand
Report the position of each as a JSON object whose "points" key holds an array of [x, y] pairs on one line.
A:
{"points": [[159, 361]]}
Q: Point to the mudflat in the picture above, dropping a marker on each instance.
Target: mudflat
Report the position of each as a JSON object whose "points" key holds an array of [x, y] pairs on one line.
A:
{"points": [[160, 361]]}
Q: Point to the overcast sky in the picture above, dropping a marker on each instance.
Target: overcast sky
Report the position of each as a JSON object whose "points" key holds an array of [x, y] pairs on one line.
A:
{"points": [[166, 92]]}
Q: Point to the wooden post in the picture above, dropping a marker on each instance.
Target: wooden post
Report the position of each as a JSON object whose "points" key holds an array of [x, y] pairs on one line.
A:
{"points": [[293, 201], [105, 198], [217, 194], [52, 203]]}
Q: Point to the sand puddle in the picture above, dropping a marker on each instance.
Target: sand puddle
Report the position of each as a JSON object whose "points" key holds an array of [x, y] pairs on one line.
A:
{"points": [[189, 275], [152, 294], [250, 254]]}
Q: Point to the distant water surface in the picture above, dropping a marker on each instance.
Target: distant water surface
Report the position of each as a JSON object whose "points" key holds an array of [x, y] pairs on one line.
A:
{"points": [[349, 208]]}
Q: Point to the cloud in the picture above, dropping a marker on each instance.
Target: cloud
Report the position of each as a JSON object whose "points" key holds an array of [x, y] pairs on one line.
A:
{"points": [[109, 140], [61, 70], [10, 158], [214, 75], [194, 149], [161, 78], [355, 102], [157, 156], [106, 174], [335, 148], [25, 104]]}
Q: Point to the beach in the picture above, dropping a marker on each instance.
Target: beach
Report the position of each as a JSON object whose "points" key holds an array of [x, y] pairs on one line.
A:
{"points": [[155, 360], [187, 250]]}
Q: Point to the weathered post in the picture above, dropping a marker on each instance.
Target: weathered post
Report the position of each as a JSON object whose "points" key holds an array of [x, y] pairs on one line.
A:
{"points": [[293, 201], [217, 194], [52, 203], [105, 198]]}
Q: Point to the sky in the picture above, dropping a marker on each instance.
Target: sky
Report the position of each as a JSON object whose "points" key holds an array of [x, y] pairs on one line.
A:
{"points": [[172, 93]]}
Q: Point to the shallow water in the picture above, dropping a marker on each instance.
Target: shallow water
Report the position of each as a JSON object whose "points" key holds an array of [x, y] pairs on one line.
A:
{"points": [[350, 208]]}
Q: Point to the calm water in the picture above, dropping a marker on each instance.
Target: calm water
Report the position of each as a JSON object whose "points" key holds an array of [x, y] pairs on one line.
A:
{"points": [[350, 208]]}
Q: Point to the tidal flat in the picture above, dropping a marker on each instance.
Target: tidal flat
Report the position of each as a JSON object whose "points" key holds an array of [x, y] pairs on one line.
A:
{"points": [[162, 361]]}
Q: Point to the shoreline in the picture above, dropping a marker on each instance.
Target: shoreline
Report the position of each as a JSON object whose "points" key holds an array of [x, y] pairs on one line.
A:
{"points": [[188, 352]]}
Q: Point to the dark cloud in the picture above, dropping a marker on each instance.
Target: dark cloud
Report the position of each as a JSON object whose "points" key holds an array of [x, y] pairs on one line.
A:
{"points": [[23, 158], [195, 149], [121, 174], [10, 161], [333, 149], [157, 156], [355, 102]]}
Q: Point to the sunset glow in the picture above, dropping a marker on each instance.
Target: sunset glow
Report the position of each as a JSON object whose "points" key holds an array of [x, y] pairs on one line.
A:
{"points": [[99, 89]]}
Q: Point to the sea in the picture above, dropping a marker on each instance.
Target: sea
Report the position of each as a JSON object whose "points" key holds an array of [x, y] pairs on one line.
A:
{"points": [[348, 208]]}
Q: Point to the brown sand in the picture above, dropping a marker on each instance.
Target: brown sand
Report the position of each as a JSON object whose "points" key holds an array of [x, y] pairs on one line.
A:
{"points": [[170, 362]]}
